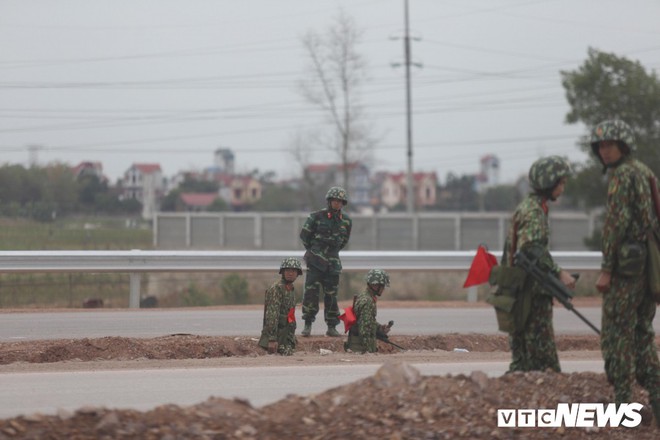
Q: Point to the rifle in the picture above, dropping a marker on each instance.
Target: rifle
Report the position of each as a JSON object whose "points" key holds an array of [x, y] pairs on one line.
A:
{"points": [[550, 283], [383, 336]]}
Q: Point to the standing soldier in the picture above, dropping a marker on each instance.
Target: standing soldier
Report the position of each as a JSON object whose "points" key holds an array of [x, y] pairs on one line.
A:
{"points": [[532, 342], [279, 326], [362, 335], [627, 338], [324, 234]]}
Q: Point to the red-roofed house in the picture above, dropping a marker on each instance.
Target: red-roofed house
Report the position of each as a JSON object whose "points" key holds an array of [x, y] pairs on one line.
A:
{"points": [[239, 191], [245, 191], [197, 201], [89, 169], [144, 182], [394, 187]]}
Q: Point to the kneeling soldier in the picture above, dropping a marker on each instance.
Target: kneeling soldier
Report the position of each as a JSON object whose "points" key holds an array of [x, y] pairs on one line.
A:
{"points": [[362, 335], [279, 326]]}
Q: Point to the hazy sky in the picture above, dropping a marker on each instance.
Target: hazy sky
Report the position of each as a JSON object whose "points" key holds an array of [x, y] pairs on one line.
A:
{"points": [[125, 81]]}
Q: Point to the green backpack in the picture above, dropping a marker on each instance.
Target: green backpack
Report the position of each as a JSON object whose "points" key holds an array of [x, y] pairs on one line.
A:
{"points": [[512, 305]]}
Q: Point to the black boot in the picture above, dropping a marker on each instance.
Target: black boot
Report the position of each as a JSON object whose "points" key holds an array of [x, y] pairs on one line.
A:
{"points": [[308, 329]]}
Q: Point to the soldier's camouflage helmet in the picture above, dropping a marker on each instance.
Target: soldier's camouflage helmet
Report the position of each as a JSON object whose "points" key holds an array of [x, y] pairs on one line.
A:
{"points": [[613, 130], [377, 276], [291, 263], [544, 174], [339, 193]]}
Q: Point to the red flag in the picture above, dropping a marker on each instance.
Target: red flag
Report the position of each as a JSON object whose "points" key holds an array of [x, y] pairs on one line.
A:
{"points": [[480, 269], [349, 318], [291, 317]]}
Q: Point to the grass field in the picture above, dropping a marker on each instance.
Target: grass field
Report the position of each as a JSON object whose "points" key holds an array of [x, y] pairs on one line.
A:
{"points": [[69, 290], [89, 233]]}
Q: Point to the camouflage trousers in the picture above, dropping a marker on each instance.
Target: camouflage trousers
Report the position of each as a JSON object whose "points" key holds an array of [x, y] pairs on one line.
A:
{"points": [[534, 347], [286, 338], [627, 338], [315, 281], [359, 344]]}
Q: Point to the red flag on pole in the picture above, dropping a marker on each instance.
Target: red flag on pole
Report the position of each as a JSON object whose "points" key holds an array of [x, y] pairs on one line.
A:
{"points": [[480, 269], [349, 318]]}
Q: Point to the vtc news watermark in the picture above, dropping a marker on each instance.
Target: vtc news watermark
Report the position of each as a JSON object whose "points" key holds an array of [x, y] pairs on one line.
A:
{"points": [[573, 415]]}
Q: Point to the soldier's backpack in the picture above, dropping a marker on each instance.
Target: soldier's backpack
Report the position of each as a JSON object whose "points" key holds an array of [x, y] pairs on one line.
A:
{"points": [[512, 305]]}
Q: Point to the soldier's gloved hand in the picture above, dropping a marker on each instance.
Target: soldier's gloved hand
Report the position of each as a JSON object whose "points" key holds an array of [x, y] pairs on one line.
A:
{"points": [[272, 347]]}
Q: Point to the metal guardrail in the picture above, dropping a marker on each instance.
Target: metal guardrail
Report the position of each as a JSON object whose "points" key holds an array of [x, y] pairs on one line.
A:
{"points": [[136, 262]]}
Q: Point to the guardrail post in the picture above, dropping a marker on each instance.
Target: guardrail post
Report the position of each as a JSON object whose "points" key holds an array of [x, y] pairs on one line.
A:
{"points": [[221, 231], [258, 240], [415, 231], [472, 294], [134, 298], [188, 230]]}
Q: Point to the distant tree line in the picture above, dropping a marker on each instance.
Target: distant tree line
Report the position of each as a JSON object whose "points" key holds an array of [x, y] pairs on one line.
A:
{"points": [[44, 193]]}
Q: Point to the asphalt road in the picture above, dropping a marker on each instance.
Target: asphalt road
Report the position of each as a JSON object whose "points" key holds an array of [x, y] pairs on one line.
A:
{"points": [[50, 392], [47, 392], [160, 322]]}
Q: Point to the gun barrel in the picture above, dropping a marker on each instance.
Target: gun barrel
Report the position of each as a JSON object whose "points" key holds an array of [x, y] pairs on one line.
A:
{"points": [[387, 340], [552, 284]]}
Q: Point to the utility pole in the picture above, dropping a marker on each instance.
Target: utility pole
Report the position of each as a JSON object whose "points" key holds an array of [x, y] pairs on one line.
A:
{"points": [[33, 152], [410, 189]]}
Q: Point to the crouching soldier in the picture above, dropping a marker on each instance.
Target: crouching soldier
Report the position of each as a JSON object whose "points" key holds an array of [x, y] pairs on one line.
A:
{"points": [[362, 335], [279, 326]]}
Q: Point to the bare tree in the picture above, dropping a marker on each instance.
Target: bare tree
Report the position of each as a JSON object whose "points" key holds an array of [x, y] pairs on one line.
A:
{"points": [[299, 143], [336, 71]]}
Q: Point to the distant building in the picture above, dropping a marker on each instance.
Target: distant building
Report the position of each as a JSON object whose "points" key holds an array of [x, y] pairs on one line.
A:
{"points": [[394, 188], [238, 191], [144, 182], [89, 169], [320, 177], [245, 191], [489, 173], [224, 161]]}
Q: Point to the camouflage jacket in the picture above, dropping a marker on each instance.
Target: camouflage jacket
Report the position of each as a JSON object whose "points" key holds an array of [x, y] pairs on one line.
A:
{"points": [[529, 227], [630, 211], [365, 311], [277, 304], [324, 234]]}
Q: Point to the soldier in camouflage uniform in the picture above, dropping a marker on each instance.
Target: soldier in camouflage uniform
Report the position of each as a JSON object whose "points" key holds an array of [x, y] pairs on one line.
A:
{"points": [[362, 335], [324, 234], [533, 347], [279, 325], [627, 338]]}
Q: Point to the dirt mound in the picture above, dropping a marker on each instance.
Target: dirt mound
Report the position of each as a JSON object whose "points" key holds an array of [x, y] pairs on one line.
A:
{"points": [[395, 403], [184, 346]]}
